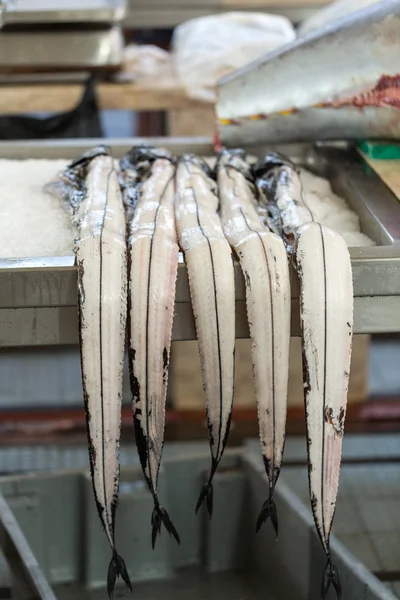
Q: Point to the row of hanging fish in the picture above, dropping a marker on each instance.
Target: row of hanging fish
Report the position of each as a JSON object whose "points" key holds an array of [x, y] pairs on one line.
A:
{"points": [[131, 220]]}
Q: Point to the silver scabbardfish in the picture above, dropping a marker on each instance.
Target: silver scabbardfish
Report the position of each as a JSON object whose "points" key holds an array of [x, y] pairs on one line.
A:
{"points": [[322, 261], [147, 182], [209, 263], [338, 82], [90, 190], [263, 260]]}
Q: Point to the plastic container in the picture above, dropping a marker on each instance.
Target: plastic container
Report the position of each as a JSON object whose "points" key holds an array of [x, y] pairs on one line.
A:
{"points": [[54, 517]]}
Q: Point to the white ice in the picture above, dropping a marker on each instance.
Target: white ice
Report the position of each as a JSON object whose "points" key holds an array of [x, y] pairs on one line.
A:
{"points": [[32, 223]]}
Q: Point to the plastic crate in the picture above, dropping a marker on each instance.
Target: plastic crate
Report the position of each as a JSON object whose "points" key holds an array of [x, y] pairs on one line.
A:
{"points": [[56, 519]]}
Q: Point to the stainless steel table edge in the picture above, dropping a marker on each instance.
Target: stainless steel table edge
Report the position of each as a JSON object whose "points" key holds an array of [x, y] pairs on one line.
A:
{"points": [[74, 49], [38, 295], [105, 12]]}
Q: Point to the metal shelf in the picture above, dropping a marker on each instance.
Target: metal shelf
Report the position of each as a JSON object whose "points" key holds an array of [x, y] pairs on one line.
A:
{"points": [[30, 12]]}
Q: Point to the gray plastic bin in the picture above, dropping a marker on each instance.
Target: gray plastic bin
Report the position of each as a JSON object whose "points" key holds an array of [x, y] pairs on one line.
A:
{"points": [[219, 559]]}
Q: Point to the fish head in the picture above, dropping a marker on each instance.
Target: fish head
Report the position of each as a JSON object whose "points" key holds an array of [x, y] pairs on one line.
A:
{"points": [[270, 161], [196, 165], [139, 159], [197, 161], [135, 168], [82, 161], [235, 159]]}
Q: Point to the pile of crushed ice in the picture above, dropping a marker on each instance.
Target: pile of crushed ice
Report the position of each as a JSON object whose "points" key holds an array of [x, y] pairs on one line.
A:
{"points": [[35, 224], [331, 210]]}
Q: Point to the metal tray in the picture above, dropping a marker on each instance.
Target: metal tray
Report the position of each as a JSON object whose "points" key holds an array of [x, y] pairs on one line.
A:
{"points": [[50, 534], [38, 296], [29, 12], [61, 49]]}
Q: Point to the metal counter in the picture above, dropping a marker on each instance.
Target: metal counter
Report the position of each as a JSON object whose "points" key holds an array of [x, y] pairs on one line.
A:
{"points": [[71, 34], [38, 296], [61, 49], [29, 12]]}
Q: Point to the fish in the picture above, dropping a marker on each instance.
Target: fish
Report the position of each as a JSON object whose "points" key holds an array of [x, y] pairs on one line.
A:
{"points": [[331, 12], [210, 269], [322, 261], [89, 186], [147, 180], [262, 257], [358, 101]]}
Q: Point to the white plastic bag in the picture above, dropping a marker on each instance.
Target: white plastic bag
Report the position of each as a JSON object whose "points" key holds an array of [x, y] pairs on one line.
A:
{"points": [[330, 13], [206, 49]]}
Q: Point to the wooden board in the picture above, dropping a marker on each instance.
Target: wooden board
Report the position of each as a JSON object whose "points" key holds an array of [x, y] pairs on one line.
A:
{"points": [[264, 5], [388, 171], [158, 14], [268, 4], [23, 98], [192, 122], [167, 17], [186, 386]]}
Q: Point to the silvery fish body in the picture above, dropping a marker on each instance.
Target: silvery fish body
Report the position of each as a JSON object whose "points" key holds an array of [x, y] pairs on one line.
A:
{"points": [[209, 263], [322, 260], [338, 82], [90, 189], [147, 178], [263, 260]]}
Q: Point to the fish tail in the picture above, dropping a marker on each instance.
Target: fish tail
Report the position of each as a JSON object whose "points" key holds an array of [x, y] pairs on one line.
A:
{"points": [[117, 568], [160, 516], [206, 493], [331, 576], [268, 511]]}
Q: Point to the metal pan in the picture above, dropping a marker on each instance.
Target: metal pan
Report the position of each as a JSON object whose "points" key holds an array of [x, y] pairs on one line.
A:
{"points": [[61, 49], [38, 296], [29, 12]]}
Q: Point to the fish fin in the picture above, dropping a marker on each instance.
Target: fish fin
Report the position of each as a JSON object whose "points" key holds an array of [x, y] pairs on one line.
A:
{"points": [[331, 576], [268, 511], [117, 568], [206, 494], [159, 517]]}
